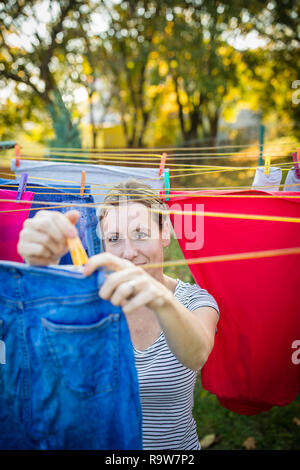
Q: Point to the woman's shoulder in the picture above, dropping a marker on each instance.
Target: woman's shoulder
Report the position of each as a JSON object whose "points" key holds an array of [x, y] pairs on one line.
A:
{"points": [[194, 296]]}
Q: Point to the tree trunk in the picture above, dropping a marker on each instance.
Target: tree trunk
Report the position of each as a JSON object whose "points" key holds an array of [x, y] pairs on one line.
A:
{"points": [[213, 121], [66, 134], [92, 120]]}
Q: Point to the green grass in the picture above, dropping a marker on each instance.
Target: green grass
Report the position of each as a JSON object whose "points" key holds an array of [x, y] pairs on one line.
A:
{"points": [[272, 430]]}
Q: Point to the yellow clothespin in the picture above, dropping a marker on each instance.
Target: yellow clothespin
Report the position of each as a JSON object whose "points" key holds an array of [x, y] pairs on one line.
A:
{"points": [[82, 186], [78, 254], [267, 165]]}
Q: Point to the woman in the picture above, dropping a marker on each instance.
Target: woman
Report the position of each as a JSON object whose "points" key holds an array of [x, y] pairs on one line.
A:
{"points": [[172, 323]]}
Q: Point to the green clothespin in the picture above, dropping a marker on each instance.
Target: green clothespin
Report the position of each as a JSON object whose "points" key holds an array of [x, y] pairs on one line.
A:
{"points": [[261, 144], [167, 183]]}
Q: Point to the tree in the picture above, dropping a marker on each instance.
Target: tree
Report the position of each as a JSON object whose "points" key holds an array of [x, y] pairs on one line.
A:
{"points": [[125, 49], [273, 68], [31, 62], [203, 66]]}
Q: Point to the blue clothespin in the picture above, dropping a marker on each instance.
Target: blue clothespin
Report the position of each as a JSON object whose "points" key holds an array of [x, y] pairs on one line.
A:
{"points": [[22, 186], [167, 183]]}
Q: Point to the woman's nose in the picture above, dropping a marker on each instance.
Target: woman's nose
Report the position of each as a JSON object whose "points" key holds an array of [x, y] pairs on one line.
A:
{"points": [[129, 250]]}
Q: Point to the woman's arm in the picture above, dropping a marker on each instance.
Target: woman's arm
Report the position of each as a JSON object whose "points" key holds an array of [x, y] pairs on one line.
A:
{"points": [[190, 335]]}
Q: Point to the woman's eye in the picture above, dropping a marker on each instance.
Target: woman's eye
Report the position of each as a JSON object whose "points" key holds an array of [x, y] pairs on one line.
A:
{"points": [[113, 238], [141, 235]]}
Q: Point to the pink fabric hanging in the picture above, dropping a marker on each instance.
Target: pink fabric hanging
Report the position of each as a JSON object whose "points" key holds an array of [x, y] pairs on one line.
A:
{"points": [[11, 223], [253, 365]]}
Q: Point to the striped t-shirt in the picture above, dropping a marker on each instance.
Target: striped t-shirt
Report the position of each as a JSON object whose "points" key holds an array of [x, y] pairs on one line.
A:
{"points": [[167, 386]]}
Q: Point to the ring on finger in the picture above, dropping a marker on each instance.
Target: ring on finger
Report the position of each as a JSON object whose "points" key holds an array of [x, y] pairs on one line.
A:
{"points": [[132, 285]]}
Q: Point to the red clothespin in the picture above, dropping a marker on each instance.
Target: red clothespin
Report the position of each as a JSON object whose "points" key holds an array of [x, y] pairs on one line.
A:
{"points": [[22, 186], [82, 185], [17, 154], [162, 163], [296, 158]]}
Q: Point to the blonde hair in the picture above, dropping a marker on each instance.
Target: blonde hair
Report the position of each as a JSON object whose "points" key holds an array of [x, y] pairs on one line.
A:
{"points": [[133, 190]]}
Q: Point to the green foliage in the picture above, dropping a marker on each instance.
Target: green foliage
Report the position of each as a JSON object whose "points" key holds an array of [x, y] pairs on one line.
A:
{"points": [[154, 60], [66, 133], [27, 59], [173, 252]]}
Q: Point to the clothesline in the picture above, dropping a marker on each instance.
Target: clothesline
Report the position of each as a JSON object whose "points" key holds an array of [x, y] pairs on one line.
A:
{"points": [[149, 156], [107, 187], [173, 166], [168, 149], [138, 161], [196, 173], [222, 258], [56, 205], [29, 187]]}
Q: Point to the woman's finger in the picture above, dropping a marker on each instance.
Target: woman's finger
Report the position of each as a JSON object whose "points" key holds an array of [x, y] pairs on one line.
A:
{"points": [[66, 227], [140, 300], [38, 261], [31, 249], [106, 259], [119, 277], [42, 238], [44, 225], [55, 224], [124, 291]]}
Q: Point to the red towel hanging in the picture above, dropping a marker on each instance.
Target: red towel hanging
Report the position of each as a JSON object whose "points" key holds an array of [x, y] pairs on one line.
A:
{"points": [[253, 365]]}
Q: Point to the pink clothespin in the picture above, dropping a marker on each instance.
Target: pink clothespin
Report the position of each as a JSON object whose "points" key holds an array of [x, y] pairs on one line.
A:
{"points": [[162, 163], [82, 184], [296, 159], [22, 186], [17, 154]]}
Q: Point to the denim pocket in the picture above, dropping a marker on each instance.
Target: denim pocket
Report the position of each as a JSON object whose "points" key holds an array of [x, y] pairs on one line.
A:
{"points": [[86, 356]]}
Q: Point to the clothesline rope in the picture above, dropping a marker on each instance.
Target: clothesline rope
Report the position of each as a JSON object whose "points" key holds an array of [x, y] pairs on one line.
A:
{"points": [[139, 160], [55, 205], [222, 258], [191, 194], [106, 187], [196, 173], [167, 149], [139, 156]]}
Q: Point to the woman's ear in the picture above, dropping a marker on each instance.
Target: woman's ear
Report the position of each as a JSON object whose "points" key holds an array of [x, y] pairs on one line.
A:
{"points": [[166, 234]]}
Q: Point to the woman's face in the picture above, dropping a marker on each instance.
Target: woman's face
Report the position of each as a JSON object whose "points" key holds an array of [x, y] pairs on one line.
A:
{"points": [[130, 231]]}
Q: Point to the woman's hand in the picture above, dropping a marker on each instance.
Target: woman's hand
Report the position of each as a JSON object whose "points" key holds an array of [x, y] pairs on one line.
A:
{"points": [[190, 335], [43, 239], [129, 286]]}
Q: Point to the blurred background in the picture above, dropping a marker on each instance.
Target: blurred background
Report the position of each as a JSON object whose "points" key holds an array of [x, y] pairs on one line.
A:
{"points": [[110, 74], [106, 73]]}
